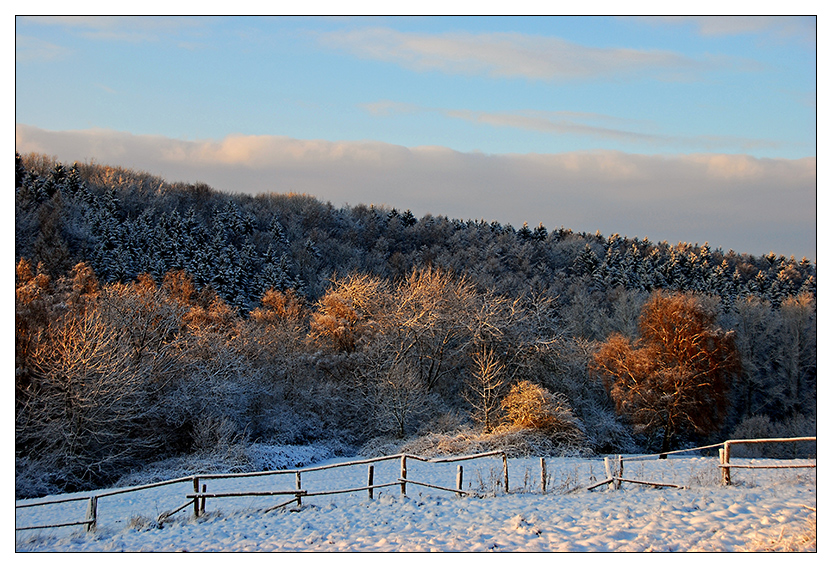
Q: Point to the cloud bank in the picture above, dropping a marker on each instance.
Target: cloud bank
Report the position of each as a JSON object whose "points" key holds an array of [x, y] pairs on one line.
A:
{"points": [[731, 201]]}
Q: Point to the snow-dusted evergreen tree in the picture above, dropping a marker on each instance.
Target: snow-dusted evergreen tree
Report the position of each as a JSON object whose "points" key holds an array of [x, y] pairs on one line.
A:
{"points": [[524, 232], [586, 263], [276, 273], [278, 234], [408, 219]]}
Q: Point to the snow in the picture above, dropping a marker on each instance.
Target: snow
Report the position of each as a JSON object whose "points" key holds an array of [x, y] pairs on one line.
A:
{"points": [[764, 506]]}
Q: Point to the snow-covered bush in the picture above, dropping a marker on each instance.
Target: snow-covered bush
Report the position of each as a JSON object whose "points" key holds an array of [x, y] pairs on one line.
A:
{"points": [[761, 426], [528, 442], [237, 457], [219, 438], [464, 441], [268, 457], [381, 446], [605, 432], [514, 440], [34, 478]]}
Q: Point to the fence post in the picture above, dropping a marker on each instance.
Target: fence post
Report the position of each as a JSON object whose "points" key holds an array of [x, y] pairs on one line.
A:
{"points": [[92, 513], [403, 475], [543, 475], [459, 479], [370, 481], [297, 486], [608, 469], [196, 499], [620, 471], [505, 471], [202, 501], [725, 460]]}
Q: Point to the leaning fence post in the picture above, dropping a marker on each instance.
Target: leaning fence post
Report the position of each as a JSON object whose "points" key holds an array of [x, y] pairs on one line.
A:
{"points": [[92, 513], [403, 475], [202, 501], [370, 481], [505, 470], [459, 479], [297, 485], [543, 475], [196, 499]]}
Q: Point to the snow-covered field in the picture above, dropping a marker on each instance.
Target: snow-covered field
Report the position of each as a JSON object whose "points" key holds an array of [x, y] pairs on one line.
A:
{"points": [[765, 508]]}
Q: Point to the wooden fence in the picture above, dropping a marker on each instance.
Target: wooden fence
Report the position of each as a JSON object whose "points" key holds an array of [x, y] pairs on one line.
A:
{"points": [[615, 469], [299, 493], [725, 455], [92, 504], [197, 498]]}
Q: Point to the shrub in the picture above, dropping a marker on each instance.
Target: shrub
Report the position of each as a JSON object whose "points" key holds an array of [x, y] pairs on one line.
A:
{"points": [[515, 441], [761, 426], [533, 407]]}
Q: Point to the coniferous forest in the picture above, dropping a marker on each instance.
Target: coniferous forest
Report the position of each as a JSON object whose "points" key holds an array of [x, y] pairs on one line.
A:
{"points": [[156, 320]]}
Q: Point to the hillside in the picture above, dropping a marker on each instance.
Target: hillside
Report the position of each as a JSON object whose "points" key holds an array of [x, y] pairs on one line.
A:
{"points": [[124, 223], [157, 320]]}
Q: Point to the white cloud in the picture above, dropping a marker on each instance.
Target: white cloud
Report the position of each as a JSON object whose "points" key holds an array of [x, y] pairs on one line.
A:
{"points": [[122, 28], [511, 55], [803, 28], [27, 48], [595, 126], [386, 108], [732, 201]]}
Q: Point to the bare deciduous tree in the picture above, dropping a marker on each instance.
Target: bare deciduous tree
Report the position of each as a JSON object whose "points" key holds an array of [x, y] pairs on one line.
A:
{"points": [[90, 410], [485, 387]]}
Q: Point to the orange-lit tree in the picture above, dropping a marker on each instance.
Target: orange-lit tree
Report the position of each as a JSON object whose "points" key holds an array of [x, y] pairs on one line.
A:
{"points": [[675, 377], [349, 311]]}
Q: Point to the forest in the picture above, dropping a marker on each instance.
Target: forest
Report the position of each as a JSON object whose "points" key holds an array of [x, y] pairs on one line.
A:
{"points": [[155, 320]]}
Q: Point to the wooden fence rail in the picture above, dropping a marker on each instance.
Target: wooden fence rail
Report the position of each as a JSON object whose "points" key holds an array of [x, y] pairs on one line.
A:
{"points": [[661, 455], [402, 481], [725, 455], [615, 473], [198, 498], [460, 492], [59, 525]]}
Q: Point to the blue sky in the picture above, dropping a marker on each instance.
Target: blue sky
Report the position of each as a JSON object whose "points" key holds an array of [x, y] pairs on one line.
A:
{"points": [[677, 129]]}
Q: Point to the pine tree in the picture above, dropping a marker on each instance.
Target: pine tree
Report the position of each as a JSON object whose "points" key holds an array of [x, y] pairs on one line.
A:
{"points": [[278, 234], [780, 289], [408, 219], [586, 263], [73, 184]]}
